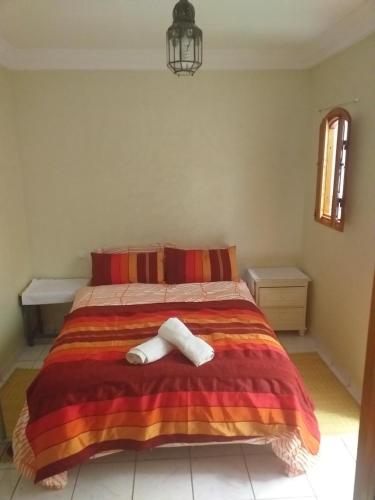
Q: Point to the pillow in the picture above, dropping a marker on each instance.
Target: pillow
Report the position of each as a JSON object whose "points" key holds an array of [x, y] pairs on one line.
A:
{"points": [[197, 266], [127, 267]]}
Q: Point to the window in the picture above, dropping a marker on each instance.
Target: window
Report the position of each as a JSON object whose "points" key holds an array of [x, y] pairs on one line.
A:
{"points": [[332, 167]]}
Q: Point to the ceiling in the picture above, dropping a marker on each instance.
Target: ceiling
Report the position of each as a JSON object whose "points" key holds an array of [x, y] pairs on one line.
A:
{"points": [[278, 32]]}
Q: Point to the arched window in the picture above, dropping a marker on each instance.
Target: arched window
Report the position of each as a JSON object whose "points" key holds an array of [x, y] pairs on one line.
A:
{"points": [[332, 166]]}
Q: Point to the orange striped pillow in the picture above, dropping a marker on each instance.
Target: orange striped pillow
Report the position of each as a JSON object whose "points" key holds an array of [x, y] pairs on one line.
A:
{"points": [[198, 266], [127, 267]]}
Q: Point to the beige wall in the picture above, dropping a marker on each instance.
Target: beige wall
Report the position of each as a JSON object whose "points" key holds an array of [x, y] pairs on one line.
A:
{"points": [[342, 264], [137, 157], [14, 252], [122, 157]]}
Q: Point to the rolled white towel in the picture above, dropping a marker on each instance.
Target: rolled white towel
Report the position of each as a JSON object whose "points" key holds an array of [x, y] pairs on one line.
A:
{"points": [[194, 348], [149, 351]]}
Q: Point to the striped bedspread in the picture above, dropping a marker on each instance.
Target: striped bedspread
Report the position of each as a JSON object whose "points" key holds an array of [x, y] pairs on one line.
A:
{"points": [[87, 399]]}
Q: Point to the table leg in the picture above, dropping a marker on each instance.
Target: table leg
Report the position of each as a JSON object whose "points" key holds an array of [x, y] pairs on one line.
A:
{"points": [[29, 334], [40, 320]]}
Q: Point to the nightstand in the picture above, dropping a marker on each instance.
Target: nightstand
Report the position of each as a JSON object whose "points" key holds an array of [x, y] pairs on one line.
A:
{"points": [[45, 291], [281, 293]]}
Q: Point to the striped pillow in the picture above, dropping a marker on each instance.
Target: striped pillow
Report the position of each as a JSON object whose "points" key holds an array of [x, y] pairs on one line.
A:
{"points": [[127, 267], [198, 266]]}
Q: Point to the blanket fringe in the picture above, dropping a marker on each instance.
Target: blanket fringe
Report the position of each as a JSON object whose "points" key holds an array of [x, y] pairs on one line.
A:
{"points": [[288, 448], [24, 458]]}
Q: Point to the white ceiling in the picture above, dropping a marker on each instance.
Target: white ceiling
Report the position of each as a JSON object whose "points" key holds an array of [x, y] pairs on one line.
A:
{"points": [[103, 33]]}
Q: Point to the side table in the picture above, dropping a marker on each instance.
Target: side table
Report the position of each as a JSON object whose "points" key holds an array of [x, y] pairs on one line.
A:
{"points": [[281, 292], [41, 292]]}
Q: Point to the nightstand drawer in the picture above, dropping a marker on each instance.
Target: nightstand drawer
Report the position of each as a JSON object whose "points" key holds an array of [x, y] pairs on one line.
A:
{"points": [[292, 296], [285, 318]]}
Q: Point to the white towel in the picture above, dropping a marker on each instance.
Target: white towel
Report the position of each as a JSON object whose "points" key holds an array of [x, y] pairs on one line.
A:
{"points": [[149, 351], [194, 348]]}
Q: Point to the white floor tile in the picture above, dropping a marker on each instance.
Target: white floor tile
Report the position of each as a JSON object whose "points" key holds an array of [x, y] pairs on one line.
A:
{"points": [[333, 476], [27, 490], [164, 453], [333, 445], [121, 456], [351, 442], [221, 478], [105, 482], [46, 349], [216, 450], [8, 481], [269, 480], [31, 353], [163, 480], [292, 342], [256, 449], [25, 364]]}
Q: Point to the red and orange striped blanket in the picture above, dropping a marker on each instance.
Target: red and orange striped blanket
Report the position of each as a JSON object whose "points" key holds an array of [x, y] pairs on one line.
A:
{"points": [[87, 399]]}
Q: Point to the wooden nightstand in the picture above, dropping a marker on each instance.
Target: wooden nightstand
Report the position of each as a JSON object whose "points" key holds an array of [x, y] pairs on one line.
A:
{"points": [[281, 293]]}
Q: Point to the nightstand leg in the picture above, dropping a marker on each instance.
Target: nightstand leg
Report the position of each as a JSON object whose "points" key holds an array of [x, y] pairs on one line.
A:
{"points": [[27, 325], [40, 320], [301, 333]]}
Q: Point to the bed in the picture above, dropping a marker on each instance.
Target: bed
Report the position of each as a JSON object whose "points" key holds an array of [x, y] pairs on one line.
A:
{"points": [[87, 400]]}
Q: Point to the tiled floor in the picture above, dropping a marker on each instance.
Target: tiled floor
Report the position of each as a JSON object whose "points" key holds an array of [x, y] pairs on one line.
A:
{"points": [[224, 472]]}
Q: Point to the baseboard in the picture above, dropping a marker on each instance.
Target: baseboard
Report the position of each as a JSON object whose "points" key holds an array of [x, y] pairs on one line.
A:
{"points": [[338, 371]]}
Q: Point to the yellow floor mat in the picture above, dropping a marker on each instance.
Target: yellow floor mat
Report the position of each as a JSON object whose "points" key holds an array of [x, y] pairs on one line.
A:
{"points": [[336, 410], [13, 395]]}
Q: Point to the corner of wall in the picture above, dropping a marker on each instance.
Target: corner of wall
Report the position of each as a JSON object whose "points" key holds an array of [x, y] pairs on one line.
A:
{"points": [[15, 266]]}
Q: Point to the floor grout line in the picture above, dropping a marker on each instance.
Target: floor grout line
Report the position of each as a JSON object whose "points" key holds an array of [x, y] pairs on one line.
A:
{"points": [[248, 472], [15, 487], [315, 495], [349, 450], [160, 458], [75, 482], [134, 473], [191, 474]]}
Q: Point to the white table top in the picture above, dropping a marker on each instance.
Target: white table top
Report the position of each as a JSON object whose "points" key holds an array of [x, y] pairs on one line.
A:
{"points": [[277, 273], [52, 291]]}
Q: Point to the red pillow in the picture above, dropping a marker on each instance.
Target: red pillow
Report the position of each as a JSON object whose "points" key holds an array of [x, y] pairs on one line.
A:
{"points": [[198, 266], [127, 267]]}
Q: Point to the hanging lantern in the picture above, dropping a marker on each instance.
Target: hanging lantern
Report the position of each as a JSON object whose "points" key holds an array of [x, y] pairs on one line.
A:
{"points": [[184, 41]]}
